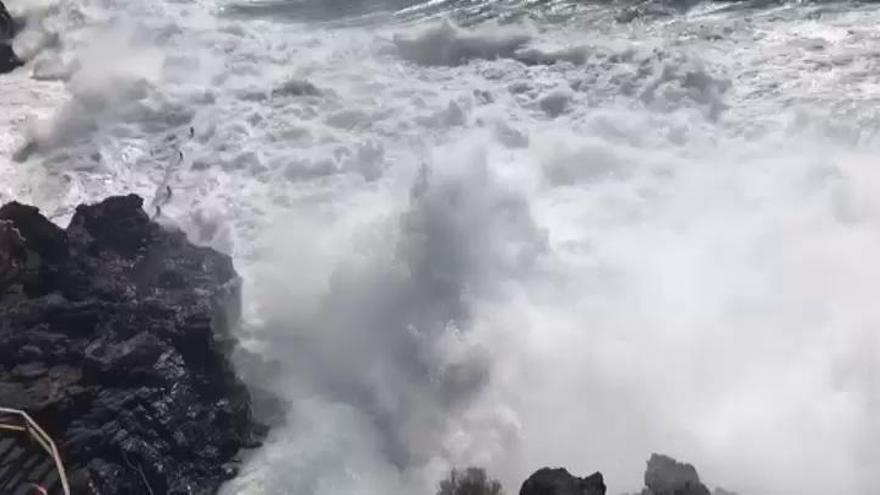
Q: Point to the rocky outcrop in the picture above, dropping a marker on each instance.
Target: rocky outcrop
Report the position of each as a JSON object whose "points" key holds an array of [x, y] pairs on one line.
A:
{"points": [[115, 338], [8, 28], [9, 61], [559, 481], [7, 24], [663, 476], [11, 246], [666, 476]]}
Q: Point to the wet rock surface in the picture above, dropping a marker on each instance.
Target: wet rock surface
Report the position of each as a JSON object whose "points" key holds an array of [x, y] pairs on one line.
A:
{"points": [[663, 476], [115, 338], [559, 481], [7, 23], [666, 476], [9, 26]]}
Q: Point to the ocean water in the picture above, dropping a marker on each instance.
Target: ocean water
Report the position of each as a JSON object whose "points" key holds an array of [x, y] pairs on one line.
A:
{"points": [[505, 233]]}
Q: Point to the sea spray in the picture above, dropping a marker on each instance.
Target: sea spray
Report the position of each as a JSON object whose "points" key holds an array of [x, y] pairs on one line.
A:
{"points": [[553, 244]]}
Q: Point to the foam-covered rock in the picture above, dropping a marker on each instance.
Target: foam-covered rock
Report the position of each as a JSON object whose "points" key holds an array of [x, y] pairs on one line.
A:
{"points": [[547, 481], [115, 337], [11, 254]]}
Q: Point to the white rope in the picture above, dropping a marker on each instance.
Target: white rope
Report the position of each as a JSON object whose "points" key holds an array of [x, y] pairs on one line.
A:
{"points": [[44, 440]]}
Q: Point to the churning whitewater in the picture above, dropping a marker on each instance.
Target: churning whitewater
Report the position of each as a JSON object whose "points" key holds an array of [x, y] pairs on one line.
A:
{"points": [[501, 233]]}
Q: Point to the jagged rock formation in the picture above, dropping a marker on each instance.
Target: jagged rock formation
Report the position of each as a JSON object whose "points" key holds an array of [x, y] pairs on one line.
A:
{"points": [[115, 339], [559, 481], [8, 27], [663, 476], [7, 24], [666, 476], [11, 247]]}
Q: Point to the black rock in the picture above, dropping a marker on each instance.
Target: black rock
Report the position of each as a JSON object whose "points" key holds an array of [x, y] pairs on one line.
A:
{"points": [[666, 476], [12, 255], [115, 338], [559, 481], [9, 61], [42, 254], [9, 26]]}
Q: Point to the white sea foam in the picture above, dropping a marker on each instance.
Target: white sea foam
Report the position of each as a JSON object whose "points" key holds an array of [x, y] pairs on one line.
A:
{"points": [[511, 247], [445, 44]]}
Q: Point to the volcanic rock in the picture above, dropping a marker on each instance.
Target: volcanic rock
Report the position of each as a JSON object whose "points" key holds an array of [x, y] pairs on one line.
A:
{"points": [[547, 481], [666, 476], [115, 337], [9, 26]]}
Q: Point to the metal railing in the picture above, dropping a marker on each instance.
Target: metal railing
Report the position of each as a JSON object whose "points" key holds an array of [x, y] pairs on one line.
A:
{"points": [[31, 428]]}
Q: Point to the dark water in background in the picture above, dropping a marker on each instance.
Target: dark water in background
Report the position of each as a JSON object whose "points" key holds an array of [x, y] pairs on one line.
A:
{"points": [[464, 12], [470, 12]]}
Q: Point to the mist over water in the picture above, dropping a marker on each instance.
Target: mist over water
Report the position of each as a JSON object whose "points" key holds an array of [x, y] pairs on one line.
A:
{"points": [[505, 234]]}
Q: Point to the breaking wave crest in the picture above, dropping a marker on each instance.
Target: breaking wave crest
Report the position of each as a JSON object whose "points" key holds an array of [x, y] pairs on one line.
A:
{"points": [[511, 244]]}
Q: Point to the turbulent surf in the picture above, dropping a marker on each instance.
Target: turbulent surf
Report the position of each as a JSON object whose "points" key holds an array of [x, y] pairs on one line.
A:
{"points": [[501, 233]]}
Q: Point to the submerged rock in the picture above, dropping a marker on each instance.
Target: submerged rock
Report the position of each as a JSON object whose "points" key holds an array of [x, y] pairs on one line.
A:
{"points": [[115, 338], [559, 481]]}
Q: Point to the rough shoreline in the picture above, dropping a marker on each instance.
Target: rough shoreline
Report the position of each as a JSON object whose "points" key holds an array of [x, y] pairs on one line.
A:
{"points": [[116, 339], [663, 476], [9, 26]]}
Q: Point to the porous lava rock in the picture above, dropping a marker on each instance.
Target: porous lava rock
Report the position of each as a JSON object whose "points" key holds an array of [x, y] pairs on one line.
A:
{"points": [[559, 481], [115, 337]]}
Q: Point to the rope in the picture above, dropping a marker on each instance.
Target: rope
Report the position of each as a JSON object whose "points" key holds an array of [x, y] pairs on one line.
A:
{"points": [[140, 471], [33, 429]]}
